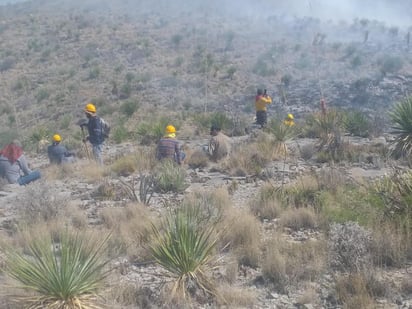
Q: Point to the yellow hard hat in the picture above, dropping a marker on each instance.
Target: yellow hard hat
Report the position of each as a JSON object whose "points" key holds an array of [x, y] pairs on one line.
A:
{"points": [[90, 108], [290, 116], [170, 129], [57, 138]]}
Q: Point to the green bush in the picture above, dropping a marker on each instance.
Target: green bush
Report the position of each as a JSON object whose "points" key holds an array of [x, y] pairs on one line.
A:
{"points": [[356, 123], [170, 177], [153, 131], [129, 107]]}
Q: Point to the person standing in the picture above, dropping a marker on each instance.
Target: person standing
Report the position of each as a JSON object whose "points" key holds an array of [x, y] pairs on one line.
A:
{"points": [[168, 147], [13, 164], [219, 144], [57, 153], [95, 129], [261, 101]]}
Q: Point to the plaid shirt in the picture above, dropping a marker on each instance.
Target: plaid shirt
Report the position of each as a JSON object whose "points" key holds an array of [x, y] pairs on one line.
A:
{"points": [[168, 148]]}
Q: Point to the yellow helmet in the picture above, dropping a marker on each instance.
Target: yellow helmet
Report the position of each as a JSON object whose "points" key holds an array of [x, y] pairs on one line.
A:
{"points": [[90, 108], [57, 138], [290, 116], [170, 129]]}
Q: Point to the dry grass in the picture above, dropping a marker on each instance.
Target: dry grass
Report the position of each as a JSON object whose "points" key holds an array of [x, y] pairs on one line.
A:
{"points": [[242, 234], [251, 157], [62, 171], [78, 217], [41, 203], [129, 295], [287, 264], [389, 246], [236, 297], [309, 296], [124, 166], [266, 205], [299, 218], [198, 159], [130, 226], [90, 171], [352, 292]]}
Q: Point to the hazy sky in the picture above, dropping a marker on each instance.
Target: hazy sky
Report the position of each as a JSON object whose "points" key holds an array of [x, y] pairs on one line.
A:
{"points": [[392, 12]]}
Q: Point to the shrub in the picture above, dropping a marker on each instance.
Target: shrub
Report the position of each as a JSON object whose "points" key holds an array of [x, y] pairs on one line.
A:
{"points": [[348, 247], [120, 134], [153, 131], [42, 94], [287, 264], [297, 219], [242, 235], [266, 205], [129, 107], [169, 177], [401, 117], [356, 123], [352, 291], [185, 249], [63, 274], [41, 202], [390, 64]]}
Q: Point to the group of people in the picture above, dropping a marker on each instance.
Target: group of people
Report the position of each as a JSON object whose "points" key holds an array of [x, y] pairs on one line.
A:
{"points": [[14, 167]]}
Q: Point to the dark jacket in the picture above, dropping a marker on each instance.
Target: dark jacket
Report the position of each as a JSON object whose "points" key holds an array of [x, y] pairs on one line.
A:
{"points": [[95, 128], [57, 153]]}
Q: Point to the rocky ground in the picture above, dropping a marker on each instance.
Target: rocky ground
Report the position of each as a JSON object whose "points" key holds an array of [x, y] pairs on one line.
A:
{"points": [[147, 275]]}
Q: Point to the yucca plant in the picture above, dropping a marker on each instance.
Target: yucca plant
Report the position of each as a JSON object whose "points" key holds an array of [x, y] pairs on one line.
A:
{"points": [[401, 117], [63, 275], [169, 177], [281, 133], [184, 246]]}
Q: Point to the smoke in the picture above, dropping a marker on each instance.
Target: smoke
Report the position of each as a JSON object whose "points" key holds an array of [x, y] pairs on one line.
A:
{"points": [[392, 13]]}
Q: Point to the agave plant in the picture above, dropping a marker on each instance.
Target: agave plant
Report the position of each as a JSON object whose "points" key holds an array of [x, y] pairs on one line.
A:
{"points": [[184, 246], [401, 117], [63, 275]]}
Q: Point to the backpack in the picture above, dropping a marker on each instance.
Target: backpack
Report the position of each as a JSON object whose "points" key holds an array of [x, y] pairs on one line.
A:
{"points": [[105, 128]]}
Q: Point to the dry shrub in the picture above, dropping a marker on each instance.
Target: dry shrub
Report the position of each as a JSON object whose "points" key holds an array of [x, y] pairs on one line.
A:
{"points": [[78, 217], [309, 296], [90, 171], [406, 286], [242, 235], [130, 226], [287, 264], [105, 190], [266, 205], [389, 246], [236, 297], [302, 193], [62, 171], [330, 178], [41, 202], [231, 269], [213, 204], [198, 159], [129, 295], [124, 166], [249, 158], [299, 218], [349, 247], [352, 291]]}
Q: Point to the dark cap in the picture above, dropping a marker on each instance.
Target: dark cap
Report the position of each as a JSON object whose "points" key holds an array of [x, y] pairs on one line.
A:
{"points": [[214, 127]]}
